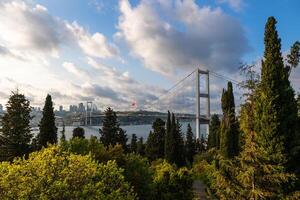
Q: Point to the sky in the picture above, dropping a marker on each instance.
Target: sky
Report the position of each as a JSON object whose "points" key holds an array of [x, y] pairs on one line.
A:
{"points": [[115, 52]]}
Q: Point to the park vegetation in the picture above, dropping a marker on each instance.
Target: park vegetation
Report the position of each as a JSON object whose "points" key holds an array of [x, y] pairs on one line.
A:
{"points": [[256, 155], [253, 154]]}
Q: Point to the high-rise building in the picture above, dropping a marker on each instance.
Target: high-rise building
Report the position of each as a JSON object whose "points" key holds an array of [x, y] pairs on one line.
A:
{"points": [[1, 108], [61, 108], [81, 107]]}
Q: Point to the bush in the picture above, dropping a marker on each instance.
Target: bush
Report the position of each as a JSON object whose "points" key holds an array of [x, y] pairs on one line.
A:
{"points": [[138, 173], [170, 183], [55, 174]]}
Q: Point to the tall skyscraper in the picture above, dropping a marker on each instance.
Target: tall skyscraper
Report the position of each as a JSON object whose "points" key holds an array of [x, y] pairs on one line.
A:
{"points": [[1, 108]]}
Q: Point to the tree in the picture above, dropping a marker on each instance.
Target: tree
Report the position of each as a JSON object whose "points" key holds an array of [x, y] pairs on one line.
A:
{"points": [[141, 147], [179, 153], [133, 143], [171, 183], [78, 132], [16, 133], [169, 140], [122, 139], [110, 128], [293, 58], [229, 136], [55, 174], [190, 145], [156, 141], [214, 132], [276, 108], [48, 130]]}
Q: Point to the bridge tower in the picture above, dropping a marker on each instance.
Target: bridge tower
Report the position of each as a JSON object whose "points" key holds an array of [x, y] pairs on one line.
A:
{"points": [[202, 119], [88, 112]]}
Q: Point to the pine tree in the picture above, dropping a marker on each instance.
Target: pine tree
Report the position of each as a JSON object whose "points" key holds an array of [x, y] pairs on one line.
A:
{"points": [[229, 136], [110, 128], [141, 146], [133, 143], [16, 133], [276, 108], [190, 146], [48, 130], [214, 132], [156, 141]]}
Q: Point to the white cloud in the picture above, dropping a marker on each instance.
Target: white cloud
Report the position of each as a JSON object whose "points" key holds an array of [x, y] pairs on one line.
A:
{"points": [[95, 45], [205, 37], [70, 67]]}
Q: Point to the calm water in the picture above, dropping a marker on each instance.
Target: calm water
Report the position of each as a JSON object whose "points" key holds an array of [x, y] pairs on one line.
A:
{"points": [[139, 130]]}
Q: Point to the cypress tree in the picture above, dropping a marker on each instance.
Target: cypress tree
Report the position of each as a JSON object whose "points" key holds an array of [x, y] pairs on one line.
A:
{"points": [[48, 130], [141, 146], [169, 140], [122, 139], [16, 133], [190, 146], [276, 108], [156, 141], [110, 128], [214, 132], [133, 143], [179, 153], [229, 136]]}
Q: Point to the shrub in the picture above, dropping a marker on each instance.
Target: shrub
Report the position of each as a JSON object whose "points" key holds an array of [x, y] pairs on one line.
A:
{"points": [[55, 174]]}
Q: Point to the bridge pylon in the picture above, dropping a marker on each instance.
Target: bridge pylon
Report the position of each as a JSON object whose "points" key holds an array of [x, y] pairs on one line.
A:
{"points": [[199, 96]]}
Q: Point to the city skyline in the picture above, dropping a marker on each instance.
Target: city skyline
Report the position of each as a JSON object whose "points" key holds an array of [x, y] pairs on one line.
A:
{"points": [[118, 52]]}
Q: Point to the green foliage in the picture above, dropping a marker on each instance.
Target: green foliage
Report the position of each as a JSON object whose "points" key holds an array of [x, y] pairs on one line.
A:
{"points": [[190, 145], [133, 144], [229, 135], [276, 108], [141, 147], [174, 144], [155, 146], [170, 183], [16, 134], [111, 133], [169, 140], [138, 173], [293, 58], [78, 132], [55, 174], [48, 130], [214, 132]]}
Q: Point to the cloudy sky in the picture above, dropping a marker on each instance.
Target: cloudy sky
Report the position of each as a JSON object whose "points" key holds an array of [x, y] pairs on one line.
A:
{"points": [[115, 52]]}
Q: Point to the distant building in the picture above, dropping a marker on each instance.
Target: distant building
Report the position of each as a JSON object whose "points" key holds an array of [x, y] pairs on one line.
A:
{"points": [[1, 108], [73, 108], [61, 108], [81, 108]]}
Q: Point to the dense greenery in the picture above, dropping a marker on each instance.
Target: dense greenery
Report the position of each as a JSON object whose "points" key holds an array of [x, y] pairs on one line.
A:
{"points": [[190, 145], [56, 174], [214, 132], [48, 130], [266, 167], [155, 147], [15, 134], [111, 133], [229, 135]]}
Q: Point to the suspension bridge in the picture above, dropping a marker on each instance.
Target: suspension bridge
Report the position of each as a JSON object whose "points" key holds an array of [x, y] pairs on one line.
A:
{"points": [[189, 99]]}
